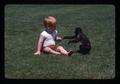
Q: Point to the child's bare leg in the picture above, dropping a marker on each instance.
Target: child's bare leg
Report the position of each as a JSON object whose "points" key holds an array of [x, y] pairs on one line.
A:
{"points": [[49, 50], [63, 51]]}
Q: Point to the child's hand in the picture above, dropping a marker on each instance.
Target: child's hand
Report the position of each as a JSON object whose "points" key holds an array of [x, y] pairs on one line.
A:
{"points": [[37, 53], [59, 38]]}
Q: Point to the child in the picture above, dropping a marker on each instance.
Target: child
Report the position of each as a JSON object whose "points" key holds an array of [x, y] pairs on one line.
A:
{"points": [[47, 38]]}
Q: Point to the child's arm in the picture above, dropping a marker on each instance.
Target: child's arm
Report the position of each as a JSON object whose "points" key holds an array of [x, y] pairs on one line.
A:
{"points": [[39, 45]]}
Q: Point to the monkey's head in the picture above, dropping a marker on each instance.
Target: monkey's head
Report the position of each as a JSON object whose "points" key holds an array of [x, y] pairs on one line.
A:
{"points": [[78, 30]]}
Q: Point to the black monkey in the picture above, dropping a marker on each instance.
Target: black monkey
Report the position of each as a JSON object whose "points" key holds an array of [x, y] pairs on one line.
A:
{"points": [[79, 36]]}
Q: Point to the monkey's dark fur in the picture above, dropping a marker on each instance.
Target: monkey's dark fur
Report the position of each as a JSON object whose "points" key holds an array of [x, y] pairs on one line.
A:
{"points": [[79, 36]]}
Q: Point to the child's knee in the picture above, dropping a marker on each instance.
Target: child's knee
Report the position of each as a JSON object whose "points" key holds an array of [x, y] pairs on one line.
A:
{"points": [[59, 47], [46, 49]]}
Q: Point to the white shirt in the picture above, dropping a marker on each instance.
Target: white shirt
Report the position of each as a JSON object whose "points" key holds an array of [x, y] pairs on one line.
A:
{"points": [[49, 38]]}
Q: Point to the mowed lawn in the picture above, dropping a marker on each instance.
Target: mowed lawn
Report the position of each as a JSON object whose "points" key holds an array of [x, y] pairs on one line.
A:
{"points": [[24, 23]]}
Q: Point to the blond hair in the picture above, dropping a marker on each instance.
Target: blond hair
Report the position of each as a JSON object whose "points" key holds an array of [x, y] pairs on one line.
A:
{"points": [[49, 21]]}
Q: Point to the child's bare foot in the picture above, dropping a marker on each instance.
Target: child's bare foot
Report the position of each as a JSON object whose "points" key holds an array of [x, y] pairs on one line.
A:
{"points": [[70, 53], [37, 53]]}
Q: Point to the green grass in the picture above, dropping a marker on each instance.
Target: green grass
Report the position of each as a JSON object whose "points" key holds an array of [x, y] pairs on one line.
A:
{"points": [[23, 24]]}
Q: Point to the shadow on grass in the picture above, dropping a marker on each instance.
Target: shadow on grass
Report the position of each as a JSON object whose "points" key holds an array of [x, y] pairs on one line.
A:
{"points": [[82, 54]]}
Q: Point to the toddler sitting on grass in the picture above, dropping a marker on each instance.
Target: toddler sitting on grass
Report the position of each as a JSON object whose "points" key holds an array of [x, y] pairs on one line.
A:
{"points": [[47, 39]]}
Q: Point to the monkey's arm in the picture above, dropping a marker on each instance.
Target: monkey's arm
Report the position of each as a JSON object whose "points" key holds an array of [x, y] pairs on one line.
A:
{"points": [[74, 41], [69, 37]]}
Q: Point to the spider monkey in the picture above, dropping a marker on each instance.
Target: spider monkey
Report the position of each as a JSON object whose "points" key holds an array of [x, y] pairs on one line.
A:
{"points": [[79, 36]]}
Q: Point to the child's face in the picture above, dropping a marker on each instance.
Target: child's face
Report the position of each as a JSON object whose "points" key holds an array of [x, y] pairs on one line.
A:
{"points": [[50, 29]]}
